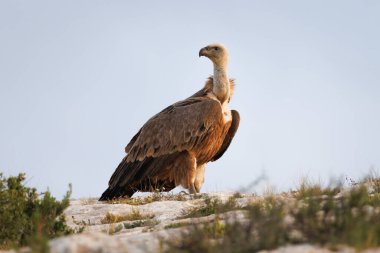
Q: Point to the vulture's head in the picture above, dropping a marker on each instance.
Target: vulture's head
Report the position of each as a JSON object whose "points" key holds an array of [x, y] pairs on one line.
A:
{"points": [[217, 53]]}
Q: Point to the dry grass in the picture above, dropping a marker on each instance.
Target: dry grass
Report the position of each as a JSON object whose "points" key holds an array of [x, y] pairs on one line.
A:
{"points": [[155, 196], [89, 201], [113, 229], [329, 216], [141, 223], [177, 225], [133, 215], [308, 188], [211, 206]]}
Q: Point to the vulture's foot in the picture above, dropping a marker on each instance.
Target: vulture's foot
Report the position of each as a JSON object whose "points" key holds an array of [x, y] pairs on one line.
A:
{"points": [[184, 193]]}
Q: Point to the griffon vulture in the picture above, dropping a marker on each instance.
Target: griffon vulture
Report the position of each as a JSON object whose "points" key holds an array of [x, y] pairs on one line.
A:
{"points": [[173, 147]]}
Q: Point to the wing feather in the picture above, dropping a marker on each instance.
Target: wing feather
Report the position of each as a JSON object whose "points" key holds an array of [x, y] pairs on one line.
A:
{"points": [[201, 93], [230, 135], [178, 127]]}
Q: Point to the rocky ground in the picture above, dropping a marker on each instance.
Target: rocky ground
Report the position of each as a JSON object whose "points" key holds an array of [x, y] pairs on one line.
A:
{"points": [[118, 236], [140, 226]]}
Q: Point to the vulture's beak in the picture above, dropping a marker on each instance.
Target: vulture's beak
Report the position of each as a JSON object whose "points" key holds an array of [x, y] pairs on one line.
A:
{"points": [[202, 52]]}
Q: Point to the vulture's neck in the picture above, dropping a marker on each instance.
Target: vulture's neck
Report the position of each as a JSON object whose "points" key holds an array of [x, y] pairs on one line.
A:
{"points": [[221, 85]]}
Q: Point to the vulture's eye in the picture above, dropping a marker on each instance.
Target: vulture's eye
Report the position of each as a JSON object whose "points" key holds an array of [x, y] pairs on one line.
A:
{"points": [[216, 48]]}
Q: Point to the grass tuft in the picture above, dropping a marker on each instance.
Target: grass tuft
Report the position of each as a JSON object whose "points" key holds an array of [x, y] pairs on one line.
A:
{"points": [[133, 215], [310, 189], [177, 225], [141, 223], [211, 206]]}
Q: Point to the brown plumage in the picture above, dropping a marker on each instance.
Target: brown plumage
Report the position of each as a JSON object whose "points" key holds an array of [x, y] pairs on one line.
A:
{"points": [[173, 147]]}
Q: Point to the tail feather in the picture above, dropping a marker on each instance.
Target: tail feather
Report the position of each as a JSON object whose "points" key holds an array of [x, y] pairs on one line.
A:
{"points": [[149, 175], [116, 192]]}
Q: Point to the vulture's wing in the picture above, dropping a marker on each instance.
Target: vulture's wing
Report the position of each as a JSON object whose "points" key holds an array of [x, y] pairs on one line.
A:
{"points": [[230, 135], [178, 127]]}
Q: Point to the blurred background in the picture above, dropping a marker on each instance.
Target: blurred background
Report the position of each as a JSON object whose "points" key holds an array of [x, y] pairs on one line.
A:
{"points": [[79, 78]]}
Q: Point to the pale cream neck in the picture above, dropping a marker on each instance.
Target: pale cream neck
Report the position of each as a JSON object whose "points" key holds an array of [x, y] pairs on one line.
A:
{"points": [[221, 85]]}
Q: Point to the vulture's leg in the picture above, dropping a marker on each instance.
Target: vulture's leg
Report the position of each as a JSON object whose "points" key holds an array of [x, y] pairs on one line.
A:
{"points": [[199, 177], [184, 171]]}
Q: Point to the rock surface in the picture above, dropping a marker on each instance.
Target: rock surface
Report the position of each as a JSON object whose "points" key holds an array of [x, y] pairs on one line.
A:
{"points": [[101, 236]]}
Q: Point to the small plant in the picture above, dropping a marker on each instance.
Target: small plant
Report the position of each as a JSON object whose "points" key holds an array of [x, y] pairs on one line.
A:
{"points": [[141, 223], [133, 215], [309, 189], [177, 225], [373, 181], [211, 206], [197, 239], [28, 219], [215, 229], [112, 229]]}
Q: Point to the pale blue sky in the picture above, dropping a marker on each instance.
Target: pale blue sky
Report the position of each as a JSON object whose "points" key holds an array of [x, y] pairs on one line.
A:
{"points": [[79, 78]]}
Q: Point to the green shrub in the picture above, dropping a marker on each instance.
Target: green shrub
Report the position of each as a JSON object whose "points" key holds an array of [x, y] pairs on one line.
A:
{"points": [[28, 219]]}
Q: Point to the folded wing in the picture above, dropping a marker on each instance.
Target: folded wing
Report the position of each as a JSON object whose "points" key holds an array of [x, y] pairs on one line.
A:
{"points": [[180, 127]]}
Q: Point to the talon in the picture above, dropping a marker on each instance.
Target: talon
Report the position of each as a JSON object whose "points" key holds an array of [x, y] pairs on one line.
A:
{"points": [[192, 189]]}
